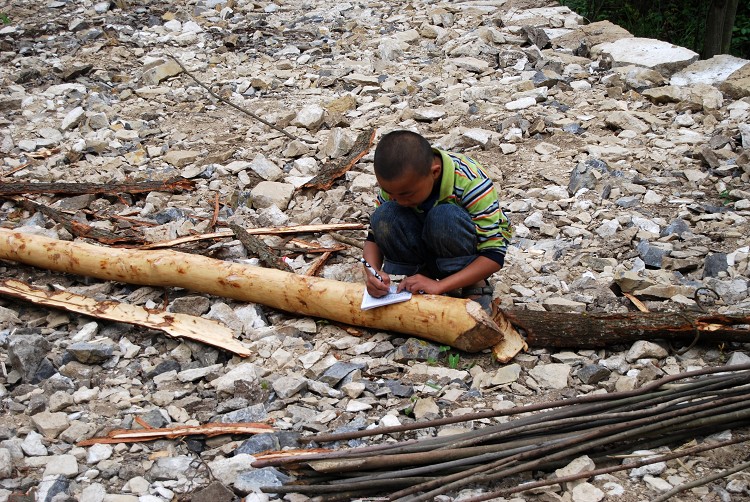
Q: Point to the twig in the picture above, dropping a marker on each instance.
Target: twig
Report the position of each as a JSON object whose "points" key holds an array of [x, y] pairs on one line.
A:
{"points": [[15, 169], [239, 108], [348, 240], [702, 481], [215, 217]]}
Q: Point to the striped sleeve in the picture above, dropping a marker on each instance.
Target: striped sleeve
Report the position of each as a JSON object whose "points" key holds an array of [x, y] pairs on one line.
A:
{"points": [[477, 195]]}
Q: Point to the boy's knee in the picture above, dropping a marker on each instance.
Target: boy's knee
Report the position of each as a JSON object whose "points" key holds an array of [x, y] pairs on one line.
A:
{"points": [[448, 219], [388, 215]]}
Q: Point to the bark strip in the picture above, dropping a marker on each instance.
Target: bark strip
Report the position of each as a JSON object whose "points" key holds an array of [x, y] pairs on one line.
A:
{"points": [[329, 174], [173, 324], [152, 434]]}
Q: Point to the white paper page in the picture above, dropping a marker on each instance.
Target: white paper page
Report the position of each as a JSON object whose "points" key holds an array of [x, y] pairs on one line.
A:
{"points": [[370, 302]]}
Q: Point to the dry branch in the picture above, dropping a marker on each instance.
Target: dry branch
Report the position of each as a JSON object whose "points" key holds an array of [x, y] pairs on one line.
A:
{"points": [[665, 412], [236, 107], [152, 434], [173, 324], [460, 323], [329, 174], [170, 185], [259, 248], [300, 229], [80, 229]]}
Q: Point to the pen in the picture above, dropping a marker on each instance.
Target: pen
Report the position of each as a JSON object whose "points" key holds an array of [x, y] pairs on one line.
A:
{"points": [[372, 270]]}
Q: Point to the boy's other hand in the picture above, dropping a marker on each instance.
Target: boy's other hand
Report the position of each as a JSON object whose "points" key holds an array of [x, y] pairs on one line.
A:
{"points": [[420, 284], [375, 287]]}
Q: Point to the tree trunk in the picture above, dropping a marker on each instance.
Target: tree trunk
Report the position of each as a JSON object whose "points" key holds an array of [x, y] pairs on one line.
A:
{"points": [[456, 322], [554, 329], [719, 24]]}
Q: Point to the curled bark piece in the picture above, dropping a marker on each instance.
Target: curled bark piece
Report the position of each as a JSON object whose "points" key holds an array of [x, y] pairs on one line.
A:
{"points": [[460, 323], [173, 324], [329, 174]]}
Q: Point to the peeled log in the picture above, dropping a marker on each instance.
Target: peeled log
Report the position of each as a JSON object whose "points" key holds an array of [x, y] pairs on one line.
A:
{"points": [[456, 322]]}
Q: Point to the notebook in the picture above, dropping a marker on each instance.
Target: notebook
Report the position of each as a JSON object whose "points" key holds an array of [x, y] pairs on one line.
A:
{"points": [[370, 302]]}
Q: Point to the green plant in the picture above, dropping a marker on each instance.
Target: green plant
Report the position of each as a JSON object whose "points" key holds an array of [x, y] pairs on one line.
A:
{"points": [[453, 360], [4, 18]]}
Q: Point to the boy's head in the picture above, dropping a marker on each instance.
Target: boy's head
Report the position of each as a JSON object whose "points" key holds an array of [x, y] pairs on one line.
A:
{"points": [[401, 151], [405, 167]]}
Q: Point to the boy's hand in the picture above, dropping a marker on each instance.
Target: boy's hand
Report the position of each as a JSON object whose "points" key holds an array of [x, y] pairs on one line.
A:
{"points": [[420, 284], [375, 287]]}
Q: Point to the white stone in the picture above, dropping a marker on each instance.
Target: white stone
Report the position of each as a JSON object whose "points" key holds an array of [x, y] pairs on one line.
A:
{"points": [[551, 376], [265, 168], [353, 406], [520, 104], [98, 452], [138, 485], [6, 464], [272, 193], [72, 118], [93, 493], [32, 445], [428, 114], [389, 421], [643, 349], [226, 470], [708, 71], [245, 372], [471, 64], [586, 492], [63, 465], [657, 484], [310, 117], [648, 52]]}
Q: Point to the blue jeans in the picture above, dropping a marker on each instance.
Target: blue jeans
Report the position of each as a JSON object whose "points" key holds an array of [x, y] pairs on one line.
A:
{"points": [[436, 244]]}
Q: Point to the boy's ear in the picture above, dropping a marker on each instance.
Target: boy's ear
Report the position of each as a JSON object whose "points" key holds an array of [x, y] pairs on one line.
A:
{"points": [[436, 169]]}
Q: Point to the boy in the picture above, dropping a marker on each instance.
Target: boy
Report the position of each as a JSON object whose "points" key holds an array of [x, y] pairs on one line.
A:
{"points": [[438, 221]]}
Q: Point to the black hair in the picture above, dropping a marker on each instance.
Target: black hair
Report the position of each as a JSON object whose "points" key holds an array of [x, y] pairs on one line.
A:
{"points": [[400, 150]]}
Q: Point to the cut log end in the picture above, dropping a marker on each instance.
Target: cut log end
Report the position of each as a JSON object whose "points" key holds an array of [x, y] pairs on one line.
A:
{"points": [[483, 335]]}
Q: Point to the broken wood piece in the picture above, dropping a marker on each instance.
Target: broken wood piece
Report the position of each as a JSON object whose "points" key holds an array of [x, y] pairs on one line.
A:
{"points": [[331, 173], [175, 325], [152, 434], [259, 248], [15, 169], [592, 330], [313, 247], [458, 322], [77, 228], [170, 185], [636, 301], [512, 342], [315, 267], [300, 229]]}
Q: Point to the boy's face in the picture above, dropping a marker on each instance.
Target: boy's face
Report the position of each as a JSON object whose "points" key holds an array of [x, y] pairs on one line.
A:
{"points": [[411, 189]]}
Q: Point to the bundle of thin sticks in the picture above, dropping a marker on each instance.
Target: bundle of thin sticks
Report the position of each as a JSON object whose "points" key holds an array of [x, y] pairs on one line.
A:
{"points": [[500, 458]]}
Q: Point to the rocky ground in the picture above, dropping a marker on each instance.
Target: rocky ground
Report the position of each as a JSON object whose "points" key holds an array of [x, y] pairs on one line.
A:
{"points": [[622, 164]]}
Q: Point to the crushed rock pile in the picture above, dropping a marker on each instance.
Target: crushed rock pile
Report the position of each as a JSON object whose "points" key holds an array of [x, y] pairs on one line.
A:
{"points": [[622, 163]]}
